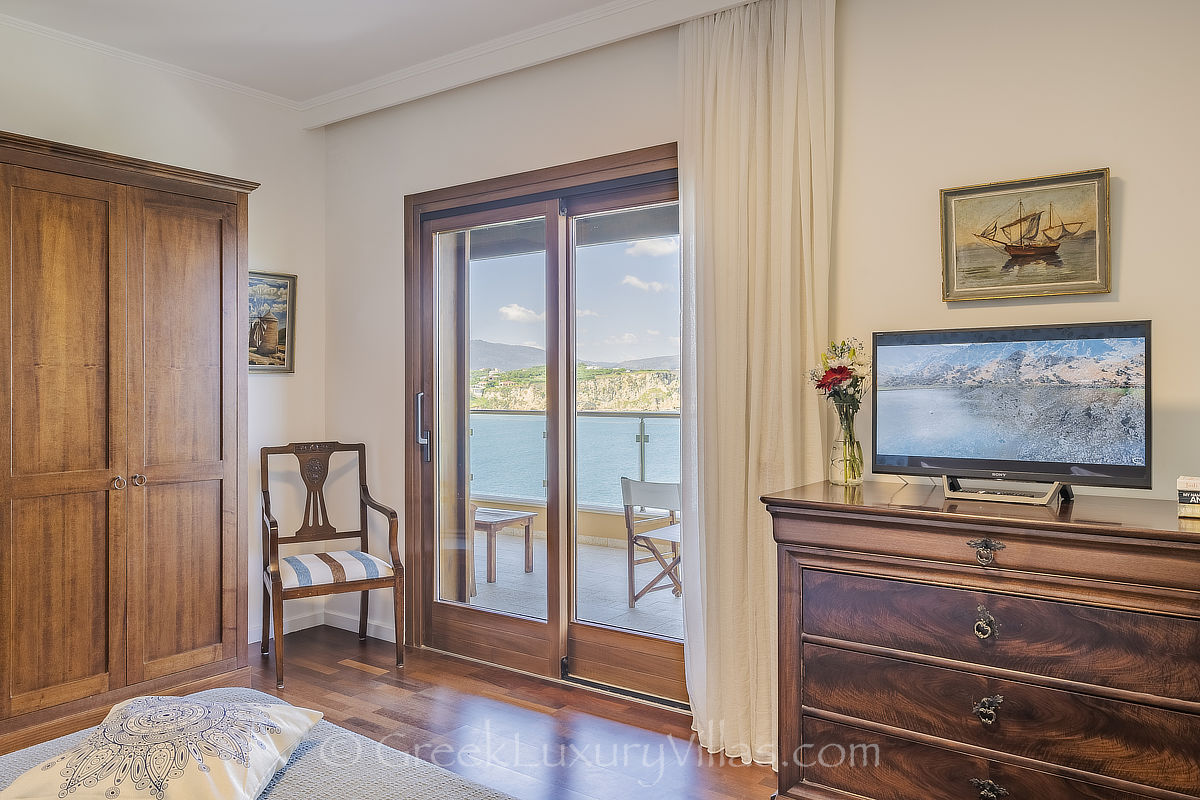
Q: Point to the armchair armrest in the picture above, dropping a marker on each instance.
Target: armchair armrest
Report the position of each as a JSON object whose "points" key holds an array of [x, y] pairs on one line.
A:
{"points": [[372, 503], [269, 522], [270, 537], [655, 519], [393, 524]]}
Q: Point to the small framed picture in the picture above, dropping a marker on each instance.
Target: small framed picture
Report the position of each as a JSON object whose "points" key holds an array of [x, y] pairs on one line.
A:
{"points": [[272, 322], [1026, 238]]}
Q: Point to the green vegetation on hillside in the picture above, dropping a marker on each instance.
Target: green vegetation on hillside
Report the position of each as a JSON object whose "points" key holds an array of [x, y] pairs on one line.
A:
{"points": [[598, 389]]}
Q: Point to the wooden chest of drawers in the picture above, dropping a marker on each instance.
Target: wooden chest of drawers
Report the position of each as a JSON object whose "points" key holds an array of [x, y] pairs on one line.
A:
{"points": [[934, 650]]}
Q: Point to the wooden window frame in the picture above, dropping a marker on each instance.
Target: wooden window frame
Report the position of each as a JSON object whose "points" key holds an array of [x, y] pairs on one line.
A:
{"points": [[645, 175]]}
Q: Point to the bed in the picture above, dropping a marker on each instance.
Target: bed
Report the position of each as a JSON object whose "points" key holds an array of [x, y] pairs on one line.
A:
{"points": [[332, 763]]}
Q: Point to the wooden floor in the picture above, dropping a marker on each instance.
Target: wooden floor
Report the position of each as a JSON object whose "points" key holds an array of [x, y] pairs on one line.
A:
{"points": [[533, 739]]}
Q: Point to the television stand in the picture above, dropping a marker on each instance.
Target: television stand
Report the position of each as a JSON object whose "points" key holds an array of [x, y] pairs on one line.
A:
{"points": [[955, 491]]}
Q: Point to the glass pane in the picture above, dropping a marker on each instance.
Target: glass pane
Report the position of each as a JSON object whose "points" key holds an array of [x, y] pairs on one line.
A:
{"points": [[491, 417], [627, 415]]}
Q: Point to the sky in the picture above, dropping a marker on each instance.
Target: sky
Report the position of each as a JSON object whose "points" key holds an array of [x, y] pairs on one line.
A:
{"points": [[269, 294], [627, 300]]}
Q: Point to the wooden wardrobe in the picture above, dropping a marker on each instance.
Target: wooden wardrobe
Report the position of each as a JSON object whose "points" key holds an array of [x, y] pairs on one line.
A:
{"points": [[122, 510]]}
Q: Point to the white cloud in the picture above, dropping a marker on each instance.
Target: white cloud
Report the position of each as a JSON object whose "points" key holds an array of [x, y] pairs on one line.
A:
{"points": [[652, 332], [585, 312], [517, 313], [666, 246], [624, 338], [264, 298], [645, 286], [261, 291]]}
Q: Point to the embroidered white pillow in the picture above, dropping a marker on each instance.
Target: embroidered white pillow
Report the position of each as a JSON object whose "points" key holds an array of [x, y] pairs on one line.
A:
{"points": [[170, 748]]}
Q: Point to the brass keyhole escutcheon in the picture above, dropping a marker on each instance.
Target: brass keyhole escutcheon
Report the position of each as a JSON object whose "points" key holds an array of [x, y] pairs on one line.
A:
{"points": [[985, 624], [988, 709], [988, 790]]}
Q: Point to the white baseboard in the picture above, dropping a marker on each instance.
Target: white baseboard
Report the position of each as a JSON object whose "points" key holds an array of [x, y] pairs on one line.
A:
{"points": [[349, 622], [336, 619], [292, 624]]}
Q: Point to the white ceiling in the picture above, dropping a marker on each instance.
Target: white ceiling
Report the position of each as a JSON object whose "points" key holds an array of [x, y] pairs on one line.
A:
{"points": [[310, 53]]}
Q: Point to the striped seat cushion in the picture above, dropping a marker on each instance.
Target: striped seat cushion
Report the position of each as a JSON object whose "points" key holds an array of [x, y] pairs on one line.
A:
{"points": [[322, 569]]}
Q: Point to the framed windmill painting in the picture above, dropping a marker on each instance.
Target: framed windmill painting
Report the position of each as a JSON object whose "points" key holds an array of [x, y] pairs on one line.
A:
{"points": [[1026, 238], [272, 322]]}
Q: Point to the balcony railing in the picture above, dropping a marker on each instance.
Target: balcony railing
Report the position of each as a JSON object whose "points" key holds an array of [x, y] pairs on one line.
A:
{"points": [[508, 456]]}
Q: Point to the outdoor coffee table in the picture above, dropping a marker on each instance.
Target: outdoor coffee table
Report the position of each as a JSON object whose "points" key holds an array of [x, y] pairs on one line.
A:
{"points": [[492, 521]]}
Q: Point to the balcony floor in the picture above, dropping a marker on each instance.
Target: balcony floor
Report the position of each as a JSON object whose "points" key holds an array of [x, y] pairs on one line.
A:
{"points": [[602, 587]]}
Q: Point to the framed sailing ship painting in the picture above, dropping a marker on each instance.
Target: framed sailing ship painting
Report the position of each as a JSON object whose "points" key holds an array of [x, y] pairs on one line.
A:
{"points": [[1026, 238]]}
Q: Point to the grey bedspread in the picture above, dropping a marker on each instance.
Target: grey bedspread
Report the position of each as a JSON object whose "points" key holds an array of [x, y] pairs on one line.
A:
{"points": [[332, 763]]}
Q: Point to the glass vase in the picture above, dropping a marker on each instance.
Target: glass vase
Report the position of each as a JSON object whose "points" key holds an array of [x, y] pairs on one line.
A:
{"points": [[846, 455]]}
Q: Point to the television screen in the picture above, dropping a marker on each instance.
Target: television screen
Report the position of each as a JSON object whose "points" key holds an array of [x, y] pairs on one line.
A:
{"points": [[1064, 402]]}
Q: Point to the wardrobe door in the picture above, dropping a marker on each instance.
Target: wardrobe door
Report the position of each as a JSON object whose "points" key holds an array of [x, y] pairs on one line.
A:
{"points": [[184, 364], [63, 444]]}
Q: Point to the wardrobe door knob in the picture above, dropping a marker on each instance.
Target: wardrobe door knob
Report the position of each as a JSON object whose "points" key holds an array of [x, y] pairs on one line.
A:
{"points": [[139, 480], [118, 483]]}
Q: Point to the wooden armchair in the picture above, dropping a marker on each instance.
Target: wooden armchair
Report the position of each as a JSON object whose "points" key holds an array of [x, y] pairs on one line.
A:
{"points": [[317, 574]]}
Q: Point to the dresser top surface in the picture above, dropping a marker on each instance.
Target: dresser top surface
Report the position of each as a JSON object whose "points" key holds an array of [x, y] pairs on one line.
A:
{"points": [[1114, 516]]}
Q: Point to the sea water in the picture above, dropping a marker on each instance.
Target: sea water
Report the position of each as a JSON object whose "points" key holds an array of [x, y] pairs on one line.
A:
{"points": [[508, 456], [979, 266]]}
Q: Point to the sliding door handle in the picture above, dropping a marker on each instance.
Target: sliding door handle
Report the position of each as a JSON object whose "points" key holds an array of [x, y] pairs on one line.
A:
{"points": [[422, 433]]}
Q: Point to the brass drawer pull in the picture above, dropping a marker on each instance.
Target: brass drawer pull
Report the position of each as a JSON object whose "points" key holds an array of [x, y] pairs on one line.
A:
{"points": [[985, 624], [987, 709], [985, 550], [989, 790]]}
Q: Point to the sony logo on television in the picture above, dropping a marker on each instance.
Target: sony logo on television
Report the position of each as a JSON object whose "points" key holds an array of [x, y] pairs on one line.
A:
{"points": [[999, 474]]}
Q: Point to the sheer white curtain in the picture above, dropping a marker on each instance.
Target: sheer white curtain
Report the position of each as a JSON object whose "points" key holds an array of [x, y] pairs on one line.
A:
{"points": [[756, 185]]}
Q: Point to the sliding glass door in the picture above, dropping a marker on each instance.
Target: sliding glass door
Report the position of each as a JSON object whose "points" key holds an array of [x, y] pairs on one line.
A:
{"points": [[624, 257], [488, 405], [544, 364]]}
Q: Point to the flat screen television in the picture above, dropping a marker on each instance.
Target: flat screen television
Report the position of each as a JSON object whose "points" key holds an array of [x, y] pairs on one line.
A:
{"points": [[1056, 403]]}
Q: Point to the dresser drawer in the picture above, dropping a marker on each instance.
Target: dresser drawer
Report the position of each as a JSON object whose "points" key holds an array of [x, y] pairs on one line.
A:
{"points": [[1128, 741], [1138, 561], [888, 768], [1144, 653]]}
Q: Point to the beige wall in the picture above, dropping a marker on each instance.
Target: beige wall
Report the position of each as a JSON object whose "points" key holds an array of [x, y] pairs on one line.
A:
{"points": [[920, 94], [935, 94], [67, 93], [608, 100]]}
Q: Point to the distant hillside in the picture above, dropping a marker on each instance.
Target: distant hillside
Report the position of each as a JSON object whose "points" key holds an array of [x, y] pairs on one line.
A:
{"points": [[505, 357], [508, 357], [597, 389], [653, 362]]}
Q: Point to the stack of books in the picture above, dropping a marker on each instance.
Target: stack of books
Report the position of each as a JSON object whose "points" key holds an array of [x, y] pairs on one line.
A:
{"points": [[1189, 496]]}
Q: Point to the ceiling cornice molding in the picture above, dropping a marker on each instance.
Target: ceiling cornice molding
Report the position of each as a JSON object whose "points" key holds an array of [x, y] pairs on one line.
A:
{"points": [[596, 27], [606, 24], [146, 61]]}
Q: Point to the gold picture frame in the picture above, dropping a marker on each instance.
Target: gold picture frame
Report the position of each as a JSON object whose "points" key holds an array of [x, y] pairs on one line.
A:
{"points": [[272, 308], [1035, 237]]}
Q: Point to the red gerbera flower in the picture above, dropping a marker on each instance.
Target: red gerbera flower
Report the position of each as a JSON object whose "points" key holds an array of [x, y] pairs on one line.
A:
{"points": [[833, 378]]}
